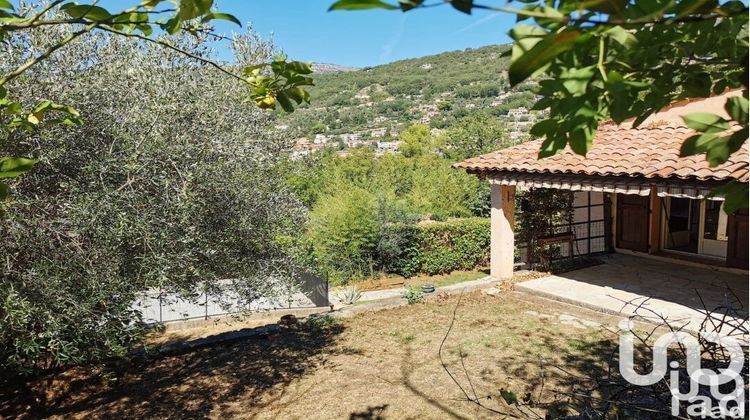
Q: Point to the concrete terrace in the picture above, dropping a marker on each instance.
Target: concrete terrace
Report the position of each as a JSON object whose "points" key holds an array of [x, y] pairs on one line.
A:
{"points": [[667, 289]]}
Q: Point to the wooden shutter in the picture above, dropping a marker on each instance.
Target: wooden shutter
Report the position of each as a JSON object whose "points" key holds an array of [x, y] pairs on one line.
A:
{"points": [[737, 246]]}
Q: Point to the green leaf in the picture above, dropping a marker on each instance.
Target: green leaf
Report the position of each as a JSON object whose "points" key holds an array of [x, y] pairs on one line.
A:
{"points": [[509, 397], [284, 101], [191, 9], [145, 29], [250, 70], [464, 6], [552, 145], [735, 196], [526, 36], [131, 18], [718, 152], [298, 94], [299, 67], [576, 80], [544, 128], [361, 5], [86, 11], [705, 122], [580, 140], [5, 4], [737, 108], [610, 7], [697, 144], [171, 26], [4, 191], [541, 54], [622, 36], [11, 167], [698, 85], [222, 16]]}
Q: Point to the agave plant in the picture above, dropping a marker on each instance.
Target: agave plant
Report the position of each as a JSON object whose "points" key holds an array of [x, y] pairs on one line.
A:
{"points": [[349, 296]]}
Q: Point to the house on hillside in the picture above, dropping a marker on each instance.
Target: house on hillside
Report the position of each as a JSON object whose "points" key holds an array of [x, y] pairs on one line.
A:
{"points": [[388, 146], [351, 139], [321, 139], [304, 147], [633, 193], [518, 112], [378, 132]]}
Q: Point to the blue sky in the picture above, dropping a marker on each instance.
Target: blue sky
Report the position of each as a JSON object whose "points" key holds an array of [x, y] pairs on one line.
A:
{"points": [[306, 31]]}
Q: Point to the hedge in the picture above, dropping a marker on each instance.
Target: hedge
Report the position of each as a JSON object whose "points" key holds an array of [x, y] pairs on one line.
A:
{"points": [[435, 248]]}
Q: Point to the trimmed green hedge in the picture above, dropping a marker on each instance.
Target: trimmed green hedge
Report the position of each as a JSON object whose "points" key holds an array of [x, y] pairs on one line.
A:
{"points": [[435, 248]]}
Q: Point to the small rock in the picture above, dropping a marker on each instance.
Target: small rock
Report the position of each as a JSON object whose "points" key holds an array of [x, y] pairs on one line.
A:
{"points": [[288, 320], [491, 291]]}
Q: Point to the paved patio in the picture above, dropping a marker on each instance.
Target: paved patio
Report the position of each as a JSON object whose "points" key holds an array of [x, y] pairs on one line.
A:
{"points": [[624, 282]]}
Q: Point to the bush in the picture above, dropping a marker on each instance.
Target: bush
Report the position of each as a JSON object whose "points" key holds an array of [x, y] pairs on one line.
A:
{"points": [[344, 231], [460, 244], [414, 295], [398, 249], [435, 248]]}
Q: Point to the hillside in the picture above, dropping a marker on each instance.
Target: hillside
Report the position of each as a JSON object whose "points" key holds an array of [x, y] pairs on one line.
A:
{"points": [[370, 106]]}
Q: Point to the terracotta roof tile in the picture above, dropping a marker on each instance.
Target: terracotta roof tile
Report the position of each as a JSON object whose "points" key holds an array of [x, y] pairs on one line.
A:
{"points": [[650, 152]]}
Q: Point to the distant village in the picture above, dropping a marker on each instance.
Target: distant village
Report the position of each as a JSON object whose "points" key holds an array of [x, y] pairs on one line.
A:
{"points": [[384, 140]]}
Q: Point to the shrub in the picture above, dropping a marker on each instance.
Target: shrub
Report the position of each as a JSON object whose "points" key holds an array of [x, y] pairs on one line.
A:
{"points": [[434, 248], [398, 249], [344, 230], [414, 295], [541, 210], [459, 244]]}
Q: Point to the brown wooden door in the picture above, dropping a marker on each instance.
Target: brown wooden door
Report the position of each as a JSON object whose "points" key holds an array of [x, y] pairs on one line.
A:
{"points": [[737, 246], [632, 222]]}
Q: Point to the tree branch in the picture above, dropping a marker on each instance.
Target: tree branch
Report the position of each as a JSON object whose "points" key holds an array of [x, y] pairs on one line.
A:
{"points": [[175, 48], [36, 60]]}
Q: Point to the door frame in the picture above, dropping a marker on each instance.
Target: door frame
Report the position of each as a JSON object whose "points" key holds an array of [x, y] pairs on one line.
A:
{"points": [[701, 229], [619, 220]]}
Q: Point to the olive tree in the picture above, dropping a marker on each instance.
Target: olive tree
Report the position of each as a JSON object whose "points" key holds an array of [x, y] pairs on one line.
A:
{"points": [[68, 23], [171, 184]]}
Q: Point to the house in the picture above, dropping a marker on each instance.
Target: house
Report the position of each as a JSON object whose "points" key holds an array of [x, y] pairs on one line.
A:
{"points": [[304, 147], [388, 146], [321, 139], [635, 193], [378, 132], [518, 112], [351, 139]]}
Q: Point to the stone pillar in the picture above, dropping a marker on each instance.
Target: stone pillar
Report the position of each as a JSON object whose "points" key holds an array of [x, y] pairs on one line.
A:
{"points": [[501, 235]]}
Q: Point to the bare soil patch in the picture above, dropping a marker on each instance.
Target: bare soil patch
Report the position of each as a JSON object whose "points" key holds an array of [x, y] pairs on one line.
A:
{"points": [[374, 364]]}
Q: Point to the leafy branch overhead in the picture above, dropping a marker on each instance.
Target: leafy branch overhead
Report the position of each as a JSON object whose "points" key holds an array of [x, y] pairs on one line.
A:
{"points": [[277, 82], [624, 59]]}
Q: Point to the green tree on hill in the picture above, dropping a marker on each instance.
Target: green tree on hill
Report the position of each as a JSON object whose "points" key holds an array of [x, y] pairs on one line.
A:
{"points": [[474, 135], [417, 140]]}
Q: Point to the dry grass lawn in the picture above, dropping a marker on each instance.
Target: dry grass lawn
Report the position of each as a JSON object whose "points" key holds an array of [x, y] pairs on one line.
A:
{"points": [[374, 365]]}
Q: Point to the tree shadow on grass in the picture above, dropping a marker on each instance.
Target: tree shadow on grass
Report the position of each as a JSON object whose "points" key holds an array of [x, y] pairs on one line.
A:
{"points": [[226, 378]]}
